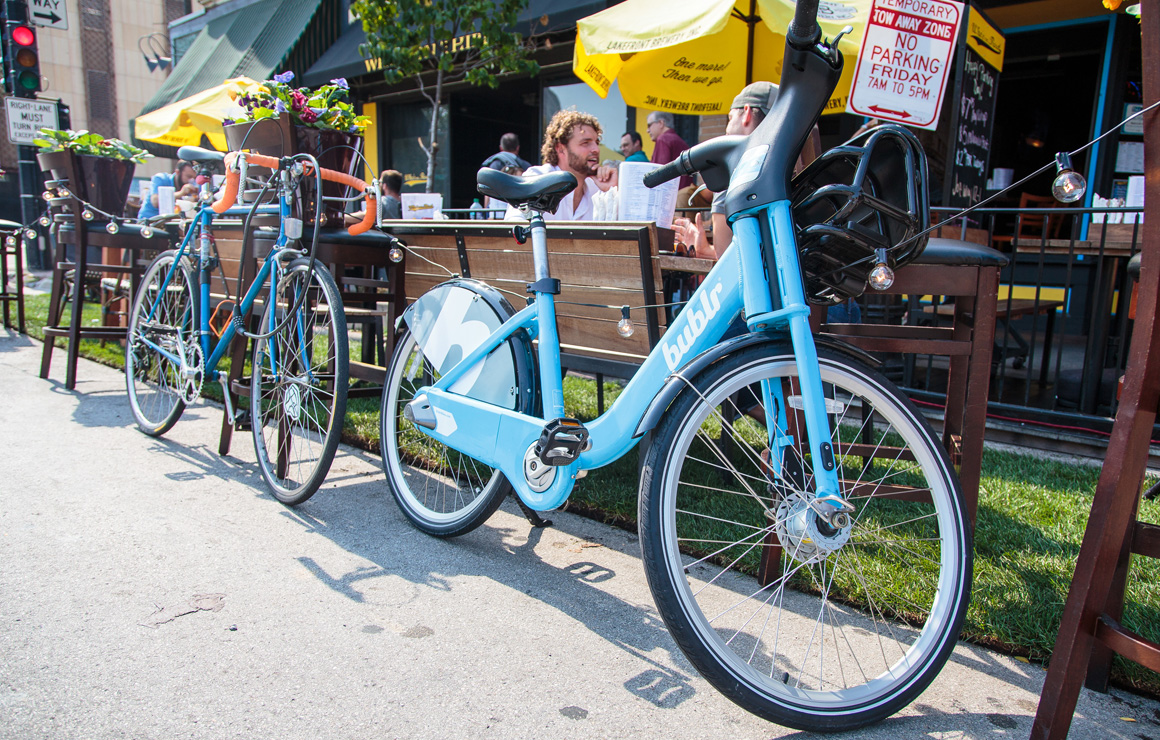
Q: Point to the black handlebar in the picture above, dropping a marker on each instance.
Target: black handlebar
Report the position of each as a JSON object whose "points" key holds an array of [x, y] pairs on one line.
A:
{"points": [[804, 31], [672, 170]]}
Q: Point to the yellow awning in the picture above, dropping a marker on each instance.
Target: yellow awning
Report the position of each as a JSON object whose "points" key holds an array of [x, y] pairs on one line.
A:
{"points": [[693, 56], [184, 122]]}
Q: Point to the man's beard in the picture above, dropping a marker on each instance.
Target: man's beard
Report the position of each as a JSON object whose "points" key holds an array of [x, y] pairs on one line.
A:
{"points": [[578, 163]]}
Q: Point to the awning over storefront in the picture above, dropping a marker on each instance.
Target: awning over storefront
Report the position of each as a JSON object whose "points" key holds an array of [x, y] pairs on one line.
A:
{"points": [[541, 16], [253, 41]]}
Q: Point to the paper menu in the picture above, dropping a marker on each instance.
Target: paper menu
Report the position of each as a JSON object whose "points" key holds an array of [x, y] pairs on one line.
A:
{"points": [[640, 203], [1135, 197]]}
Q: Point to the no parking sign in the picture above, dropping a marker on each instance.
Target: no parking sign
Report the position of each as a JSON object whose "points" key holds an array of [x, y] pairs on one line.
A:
{"points": [[905, 60]]}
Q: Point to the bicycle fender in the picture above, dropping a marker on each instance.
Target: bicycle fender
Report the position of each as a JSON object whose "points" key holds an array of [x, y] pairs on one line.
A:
{"points": [[675, 384]]}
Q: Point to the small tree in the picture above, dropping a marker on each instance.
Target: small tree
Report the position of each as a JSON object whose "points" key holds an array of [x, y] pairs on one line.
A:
{"points": [[450, 40]]}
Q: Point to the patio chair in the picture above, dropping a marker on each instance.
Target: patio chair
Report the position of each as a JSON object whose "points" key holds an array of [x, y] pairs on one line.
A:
{"points": [[90, 265], [14, 292]]}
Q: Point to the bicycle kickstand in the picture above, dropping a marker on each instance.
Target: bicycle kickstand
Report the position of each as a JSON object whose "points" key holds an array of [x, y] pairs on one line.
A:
{"points": [[531, 515]]}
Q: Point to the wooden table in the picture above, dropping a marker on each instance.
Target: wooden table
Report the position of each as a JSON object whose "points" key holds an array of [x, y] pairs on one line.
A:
{"points": [[1110, 258]]}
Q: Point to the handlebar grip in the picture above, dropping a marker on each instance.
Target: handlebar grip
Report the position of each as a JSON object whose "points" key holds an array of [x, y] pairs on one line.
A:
{"points": [[230, 194], [262, 160], [372, 212], [803, 30], [670, 171]]}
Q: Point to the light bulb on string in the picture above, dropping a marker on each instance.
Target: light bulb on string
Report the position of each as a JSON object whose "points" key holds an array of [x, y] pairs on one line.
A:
{"points": [[396, 254], [881, 277], [112, 227], [63, 192], [88, 215], [625, 327], [47, 195], [147, 231], [45, 221], [10, 241], [1068, 185], [30, 234]]}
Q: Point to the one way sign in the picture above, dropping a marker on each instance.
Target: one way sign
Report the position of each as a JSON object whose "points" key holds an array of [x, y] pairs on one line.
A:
{"points": [[49, 13]]}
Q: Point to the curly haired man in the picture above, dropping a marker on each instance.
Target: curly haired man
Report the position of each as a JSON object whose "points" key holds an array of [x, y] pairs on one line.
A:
{"points": [[572, 144]]}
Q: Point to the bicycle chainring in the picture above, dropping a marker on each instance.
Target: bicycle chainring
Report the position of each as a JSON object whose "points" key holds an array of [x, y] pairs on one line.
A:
{"points": [[192, 373]]}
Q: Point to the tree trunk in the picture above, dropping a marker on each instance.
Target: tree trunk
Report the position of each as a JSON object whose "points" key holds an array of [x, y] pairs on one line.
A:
{"points": [[433, 146]]}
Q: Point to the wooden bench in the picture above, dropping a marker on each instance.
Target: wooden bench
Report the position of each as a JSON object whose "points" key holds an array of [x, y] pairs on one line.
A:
{"points": [[601, 267]]}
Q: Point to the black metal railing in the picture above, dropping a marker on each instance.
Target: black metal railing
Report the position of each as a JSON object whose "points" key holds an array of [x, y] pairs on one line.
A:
{"points": [[1063, 325]]}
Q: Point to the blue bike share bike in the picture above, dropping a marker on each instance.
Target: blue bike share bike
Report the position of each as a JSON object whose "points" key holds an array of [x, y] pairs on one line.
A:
{"points": [[803, 531], [300, 361]]}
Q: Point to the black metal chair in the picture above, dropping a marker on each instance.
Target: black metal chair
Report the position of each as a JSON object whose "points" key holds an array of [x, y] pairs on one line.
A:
{"points": [[81, 274], [12, 291]]}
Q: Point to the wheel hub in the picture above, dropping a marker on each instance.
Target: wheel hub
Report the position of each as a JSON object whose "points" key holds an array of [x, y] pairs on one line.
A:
{"points": [[805, 535]]}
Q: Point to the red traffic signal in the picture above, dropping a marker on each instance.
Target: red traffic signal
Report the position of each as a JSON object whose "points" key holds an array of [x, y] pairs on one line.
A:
{"points": [[25, 59], [23, 36]]}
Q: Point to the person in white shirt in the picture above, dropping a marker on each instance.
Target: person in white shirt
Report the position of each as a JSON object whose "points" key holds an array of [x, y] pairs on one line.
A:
{"points": [[572, 144]]}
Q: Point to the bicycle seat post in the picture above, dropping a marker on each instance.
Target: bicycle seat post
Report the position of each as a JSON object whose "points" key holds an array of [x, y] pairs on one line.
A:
{"points": [[545, 290]]}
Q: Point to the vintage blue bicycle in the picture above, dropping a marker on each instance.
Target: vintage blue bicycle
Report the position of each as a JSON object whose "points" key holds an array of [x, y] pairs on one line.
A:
{"points": [[803, 532], [299, 367]]}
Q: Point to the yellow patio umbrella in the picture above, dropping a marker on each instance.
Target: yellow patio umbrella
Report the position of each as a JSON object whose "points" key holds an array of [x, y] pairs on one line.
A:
{"points": [[184, 122], [694, 56]]}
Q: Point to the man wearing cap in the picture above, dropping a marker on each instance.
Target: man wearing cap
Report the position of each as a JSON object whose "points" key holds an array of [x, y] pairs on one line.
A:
{"points": [[749, 109]]}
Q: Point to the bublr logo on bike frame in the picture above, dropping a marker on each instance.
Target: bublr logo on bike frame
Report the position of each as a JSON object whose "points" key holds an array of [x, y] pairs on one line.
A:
{"points": [[698, 319]]}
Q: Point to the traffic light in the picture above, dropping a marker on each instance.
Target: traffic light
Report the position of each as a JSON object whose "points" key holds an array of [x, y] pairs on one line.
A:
{"points": [[22, 60]]}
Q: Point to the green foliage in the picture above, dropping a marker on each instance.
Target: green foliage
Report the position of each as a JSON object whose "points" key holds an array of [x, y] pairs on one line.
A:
{"points": [[470, 39], [326, 108], [84, 142]]}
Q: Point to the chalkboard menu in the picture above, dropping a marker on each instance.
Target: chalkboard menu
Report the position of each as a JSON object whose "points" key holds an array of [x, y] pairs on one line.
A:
{"points": [[979, 60]]}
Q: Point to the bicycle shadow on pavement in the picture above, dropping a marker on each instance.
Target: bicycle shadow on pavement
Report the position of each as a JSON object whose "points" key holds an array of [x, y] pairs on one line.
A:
{"points": [[503, 550]]}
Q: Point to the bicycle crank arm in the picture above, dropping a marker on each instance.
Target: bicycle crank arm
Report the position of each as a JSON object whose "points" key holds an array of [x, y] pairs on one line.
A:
{"points": [[497, 437]]}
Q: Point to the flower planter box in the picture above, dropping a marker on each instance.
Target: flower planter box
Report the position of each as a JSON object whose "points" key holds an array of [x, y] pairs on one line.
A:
{"points": [[101, 181], [278, 137]]}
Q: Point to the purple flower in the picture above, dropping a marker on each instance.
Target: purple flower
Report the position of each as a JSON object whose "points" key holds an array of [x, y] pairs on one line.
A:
{"points": [[228, 122], [284, 78], [308, 116], [280, 107], [340, 82], [297, 101]]}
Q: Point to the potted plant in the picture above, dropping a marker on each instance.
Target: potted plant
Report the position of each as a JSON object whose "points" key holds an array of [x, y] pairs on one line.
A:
{"points": [[103, 167], [281, 120]]}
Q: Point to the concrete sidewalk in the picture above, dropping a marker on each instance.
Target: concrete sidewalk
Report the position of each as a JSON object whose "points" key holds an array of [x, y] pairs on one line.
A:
{"points": [[152, 589]]}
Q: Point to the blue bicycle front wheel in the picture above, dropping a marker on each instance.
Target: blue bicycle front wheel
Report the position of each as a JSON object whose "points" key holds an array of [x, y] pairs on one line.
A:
{"points": [[814, 626], [298, 383]]}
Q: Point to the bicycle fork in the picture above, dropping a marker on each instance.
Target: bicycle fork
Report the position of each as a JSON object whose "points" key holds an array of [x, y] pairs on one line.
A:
{"points": [[780, 299]]}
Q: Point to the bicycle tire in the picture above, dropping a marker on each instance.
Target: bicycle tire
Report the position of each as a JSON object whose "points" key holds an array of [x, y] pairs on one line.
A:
{"points": [[152, 381], [440, 491], [707, 523], [298, 390]]}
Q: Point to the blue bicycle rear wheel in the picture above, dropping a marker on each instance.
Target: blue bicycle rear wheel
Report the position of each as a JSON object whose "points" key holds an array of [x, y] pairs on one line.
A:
{"points": [[164, 316]]}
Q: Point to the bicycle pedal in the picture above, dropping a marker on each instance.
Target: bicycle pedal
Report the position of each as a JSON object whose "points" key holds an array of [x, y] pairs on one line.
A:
{"points": [[561, 442], [242, 421]]}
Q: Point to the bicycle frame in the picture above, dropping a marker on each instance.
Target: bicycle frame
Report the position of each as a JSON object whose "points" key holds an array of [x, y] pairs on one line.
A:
{"points": [[200, 226], [738, 281]]}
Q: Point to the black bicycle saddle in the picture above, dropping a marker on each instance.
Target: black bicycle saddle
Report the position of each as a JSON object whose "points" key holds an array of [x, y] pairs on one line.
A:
{"points": [[541, 193], [197, 154]]}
